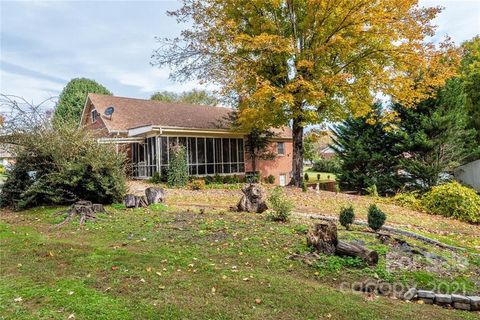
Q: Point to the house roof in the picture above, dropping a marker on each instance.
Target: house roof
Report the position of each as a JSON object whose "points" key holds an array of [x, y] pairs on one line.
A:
{"points": [[133, 113]]}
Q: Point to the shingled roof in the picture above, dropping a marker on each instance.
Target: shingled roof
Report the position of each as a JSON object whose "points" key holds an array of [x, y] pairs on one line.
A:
{"points": [[133, 113]]}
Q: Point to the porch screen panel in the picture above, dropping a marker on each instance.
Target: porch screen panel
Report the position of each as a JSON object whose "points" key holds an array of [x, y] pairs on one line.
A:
{"points": [[201, 156], [192, 156], [164, 155], [210, 149], [218, 156], [226, 155]]}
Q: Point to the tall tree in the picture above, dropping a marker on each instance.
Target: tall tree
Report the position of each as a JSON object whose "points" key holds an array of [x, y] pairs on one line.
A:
{"points": [[201, 97], [72, 99], [302, 61], [369, 153], [435, 138], [470, 74]]}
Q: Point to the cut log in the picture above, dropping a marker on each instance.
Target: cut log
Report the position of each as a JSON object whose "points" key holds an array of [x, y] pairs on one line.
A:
{"points": [[133, 201], [253, 199], [323, 238], [354, 250], [155, 195]]}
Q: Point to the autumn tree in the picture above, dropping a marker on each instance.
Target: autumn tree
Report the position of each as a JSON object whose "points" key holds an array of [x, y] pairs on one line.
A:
{"points": [[72, 99], [300, 62], [195, 96]]}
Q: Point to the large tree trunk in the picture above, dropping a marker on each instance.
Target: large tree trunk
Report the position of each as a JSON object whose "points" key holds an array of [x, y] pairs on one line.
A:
{"points": [[297, 163]]}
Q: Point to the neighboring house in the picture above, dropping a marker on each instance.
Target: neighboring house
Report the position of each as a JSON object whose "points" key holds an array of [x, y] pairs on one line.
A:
{"points": [[469, 174], [6, 158], [327, 153], [146, 129]]}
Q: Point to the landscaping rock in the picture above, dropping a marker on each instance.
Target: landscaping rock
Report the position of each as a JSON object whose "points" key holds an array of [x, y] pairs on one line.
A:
{"points": [[410, 294], [460, 298], [425, 294], [443, 299], [155, 195], [253, 199], [462, 306], [474, 303]]}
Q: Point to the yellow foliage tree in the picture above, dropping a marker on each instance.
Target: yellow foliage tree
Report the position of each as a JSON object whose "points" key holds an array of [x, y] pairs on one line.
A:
{"points": [[301, 62]]}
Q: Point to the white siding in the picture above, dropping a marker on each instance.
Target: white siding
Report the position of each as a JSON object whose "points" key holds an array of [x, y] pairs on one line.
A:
{"points": [[469, 174]]}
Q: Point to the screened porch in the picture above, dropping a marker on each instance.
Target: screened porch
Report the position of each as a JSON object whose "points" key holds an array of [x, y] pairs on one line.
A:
{"points": [[205, 155]]}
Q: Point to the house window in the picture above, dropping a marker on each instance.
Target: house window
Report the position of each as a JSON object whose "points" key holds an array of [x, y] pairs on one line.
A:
{"points": [[281, 148], [94, 116]]}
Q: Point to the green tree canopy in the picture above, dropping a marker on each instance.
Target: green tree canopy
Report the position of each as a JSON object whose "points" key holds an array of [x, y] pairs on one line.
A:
{"points": [[368, 153], [201, 97], [470, 74], [434, 136], [72, 99]]}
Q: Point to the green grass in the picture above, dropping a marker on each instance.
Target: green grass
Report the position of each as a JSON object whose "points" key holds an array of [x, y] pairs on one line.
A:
{"points": [[324, 176], [167, 263]]}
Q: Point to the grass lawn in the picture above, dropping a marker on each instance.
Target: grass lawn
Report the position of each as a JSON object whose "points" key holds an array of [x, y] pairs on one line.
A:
{"points": [[178, 263], [324, 176]]}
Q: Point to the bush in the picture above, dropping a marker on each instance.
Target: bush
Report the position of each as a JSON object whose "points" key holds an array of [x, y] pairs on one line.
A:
{"points": [[327, 165], [408, 200], [62, 165], [281, 207], [372, 190], [453, 200], [347, 216], [155, 178], [306, 177], [376, 217], [197, 184], [304, 187], [270, 179], [319, 176], [177, 174]]}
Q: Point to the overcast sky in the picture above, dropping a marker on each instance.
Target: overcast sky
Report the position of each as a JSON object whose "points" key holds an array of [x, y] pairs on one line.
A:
{"points": [[44, 44]]}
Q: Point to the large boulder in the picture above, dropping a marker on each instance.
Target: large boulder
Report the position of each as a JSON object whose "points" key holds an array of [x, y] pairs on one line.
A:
{"points": [[253, 199], [155, 195]]}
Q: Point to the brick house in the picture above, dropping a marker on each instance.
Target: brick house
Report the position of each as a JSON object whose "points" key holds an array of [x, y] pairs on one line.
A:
{"points": [[146, 130]]}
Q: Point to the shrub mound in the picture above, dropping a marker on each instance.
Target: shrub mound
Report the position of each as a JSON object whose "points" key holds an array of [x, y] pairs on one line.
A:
{"points": [[62, 165], [347, 217], [327, 165], [281, 207], [453, 200], [376, 217]]}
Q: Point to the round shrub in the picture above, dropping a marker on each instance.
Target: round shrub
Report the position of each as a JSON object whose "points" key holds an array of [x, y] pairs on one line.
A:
{"points": [[453, 200], [347, 216], [376, 217]]}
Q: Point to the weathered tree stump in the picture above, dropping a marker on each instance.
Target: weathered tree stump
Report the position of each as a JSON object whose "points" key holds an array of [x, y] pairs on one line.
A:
{"points": [[155, 195], [253, 199], [85, 210], [325, 240], [133, 201]]}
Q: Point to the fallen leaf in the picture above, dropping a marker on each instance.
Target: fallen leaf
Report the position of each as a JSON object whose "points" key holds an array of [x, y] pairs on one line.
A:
{"points": [[19, 299], [258, 301]]}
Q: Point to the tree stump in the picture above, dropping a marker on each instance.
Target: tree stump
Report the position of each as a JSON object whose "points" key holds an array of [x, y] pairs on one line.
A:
{"points": [[85, 210], [155, 195], [324, 239], [133, 201], [253, 199]]}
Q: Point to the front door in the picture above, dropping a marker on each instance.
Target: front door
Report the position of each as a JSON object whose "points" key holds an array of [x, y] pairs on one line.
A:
{"points": [[283, 180]]}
